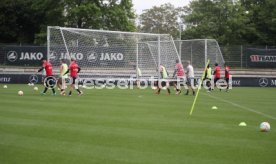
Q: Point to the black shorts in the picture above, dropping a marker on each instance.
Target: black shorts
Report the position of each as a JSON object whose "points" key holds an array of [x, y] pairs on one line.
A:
{"points": [[74, 80], [227, 80], [190, 81], [215, 80], [163, 83]]}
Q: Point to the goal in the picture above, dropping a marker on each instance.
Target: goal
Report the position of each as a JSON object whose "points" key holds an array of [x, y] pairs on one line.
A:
{"points": [[198, 51], [112, 54]]}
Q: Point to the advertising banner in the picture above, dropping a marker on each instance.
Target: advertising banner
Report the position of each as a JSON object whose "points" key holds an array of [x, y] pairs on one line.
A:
{"points": [[24, 56], [261, 58]]}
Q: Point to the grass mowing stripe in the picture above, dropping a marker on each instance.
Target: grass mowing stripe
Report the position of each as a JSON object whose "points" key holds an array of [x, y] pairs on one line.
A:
{"points": [[133, 126], [242, 107]]}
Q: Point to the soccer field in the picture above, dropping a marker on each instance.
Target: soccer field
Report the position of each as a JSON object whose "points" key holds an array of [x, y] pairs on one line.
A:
{"points": [[136, 126]]}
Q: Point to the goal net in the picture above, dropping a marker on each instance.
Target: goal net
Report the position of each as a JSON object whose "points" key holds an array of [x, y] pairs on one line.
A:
{"points": [[112, 54], [198, 51]]}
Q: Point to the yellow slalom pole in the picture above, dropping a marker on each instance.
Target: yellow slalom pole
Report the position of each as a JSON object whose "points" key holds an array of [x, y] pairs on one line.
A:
{"points": [[199, 86]]}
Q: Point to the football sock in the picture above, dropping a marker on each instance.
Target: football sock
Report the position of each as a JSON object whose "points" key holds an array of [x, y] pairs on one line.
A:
{"points": [[45, 90]]}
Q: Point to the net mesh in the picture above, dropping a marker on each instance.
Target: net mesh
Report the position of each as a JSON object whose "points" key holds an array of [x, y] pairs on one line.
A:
{"points": [[112, 54], [199, 51]]}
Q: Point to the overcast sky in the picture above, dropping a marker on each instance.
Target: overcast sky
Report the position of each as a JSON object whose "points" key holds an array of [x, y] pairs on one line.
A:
{"points": [[140, 5]]}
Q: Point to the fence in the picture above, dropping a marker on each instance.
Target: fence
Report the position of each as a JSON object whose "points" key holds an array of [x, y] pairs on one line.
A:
{"points": [[246, 56]]}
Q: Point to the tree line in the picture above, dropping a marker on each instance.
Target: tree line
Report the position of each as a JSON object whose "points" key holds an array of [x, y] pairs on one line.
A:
{"points": [[228, 21]]}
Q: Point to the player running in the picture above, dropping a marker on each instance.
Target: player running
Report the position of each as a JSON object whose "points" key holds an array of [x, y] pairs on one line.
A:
{"points": [[227, 75], [164, 82], [190, 78], [208, 77], [179, 72], [49, 73], [62, 76], [74, 69], [216, 73]]}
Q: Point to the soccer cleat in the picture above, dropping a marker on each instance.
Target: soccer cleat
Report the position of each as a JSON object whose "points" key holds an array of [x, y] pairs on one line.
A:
{"points": [[62, 93], [42, 94], [193, 93], [81, 93], [187, 93], [53, 94]]}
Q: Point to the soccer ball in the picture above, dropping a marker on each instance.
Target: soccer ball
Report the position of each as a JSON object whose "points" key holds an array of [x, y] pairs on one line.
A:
{"points": [[5, 86], [264, 127], [20, 93], [35, 88], [30, 84]]}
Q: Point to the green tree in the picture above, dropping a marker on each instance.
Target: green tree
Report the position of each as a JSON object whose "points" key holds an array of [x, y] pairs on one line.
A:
{"points": [[100, 14], [262, 16], [220, 19], [50, 14], [82, 13], [239, 22], [119, 15], [26, 21], [162, 19], [22, 21]]}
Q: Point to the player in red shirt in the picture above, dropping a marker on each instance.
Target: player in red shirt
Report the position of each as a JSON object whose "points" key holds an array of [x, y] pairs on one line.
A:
{"points": [[74, 69], [49, 73], [227, 75], [216, 73], [179, 72]]}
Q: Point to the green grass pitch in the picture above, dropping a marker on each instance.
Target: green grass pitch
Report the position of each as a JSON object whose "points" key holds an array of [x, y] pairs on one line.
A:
{"points": [[136, 126]]}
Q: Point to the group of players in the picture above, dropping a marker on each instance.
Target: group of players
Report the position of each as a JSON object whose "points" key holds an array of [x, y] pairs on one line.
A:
{"points": [[49, 80], [179, 73]]}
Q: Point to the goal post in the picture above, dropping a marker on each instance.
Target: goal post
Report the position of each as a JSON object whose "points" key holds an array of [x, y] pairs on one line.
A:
{"points": [[111, 54], [198, 51]]}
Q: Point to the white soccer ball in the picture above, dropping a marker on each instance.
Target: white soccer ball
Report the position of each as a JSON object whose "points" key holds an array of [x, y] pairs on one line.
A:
{"points": [[5, 86], [20, 93], [264, 127], [35, 88]]}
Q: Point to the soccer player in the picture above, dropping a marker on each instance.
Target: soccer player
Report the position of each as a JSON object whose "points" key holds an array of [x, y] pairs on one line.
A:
{"points": [[61, 81], [208, 77], [190, 78], [139, 75], [179, 72], [227, 75], [164, 82], [74, 69], [216, 73], [49, 72]]}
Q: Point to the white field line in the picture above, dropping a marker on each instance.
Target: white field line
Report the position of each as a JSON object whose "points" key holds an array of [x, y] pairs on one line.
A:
{"points": [[242, 107]]}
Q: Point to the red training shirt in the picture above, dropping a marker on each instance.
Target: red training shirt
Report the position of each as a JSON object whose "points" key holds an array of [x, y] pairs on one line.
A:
{"points": [[227, 72], [217, 70], [74, 69], [48, 68], [179, 69]]}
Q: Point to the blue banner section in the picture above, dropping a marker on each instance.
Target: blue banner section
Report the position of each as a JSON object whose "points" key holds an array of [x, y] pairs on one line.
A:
{"points": [[23, 56], [20, 78], [91, 56]]}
